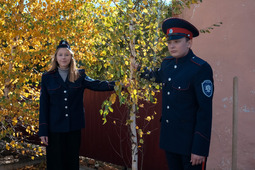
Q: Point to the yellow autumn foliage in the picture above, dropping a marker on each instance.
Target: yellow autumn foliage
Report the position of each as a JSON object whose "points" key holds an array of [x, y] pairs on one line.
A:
{"points": [[101, 37], [29, 33]]}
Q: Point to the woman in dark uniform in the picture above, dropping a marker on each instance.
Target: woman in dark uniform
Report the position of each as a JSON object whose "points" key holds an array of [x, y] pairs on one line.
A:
{"points": [[61, 108]]}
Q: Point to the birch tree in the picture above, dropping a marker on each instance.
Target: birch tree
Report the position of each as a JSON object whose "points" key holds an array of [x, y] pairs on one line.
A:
{"points": [[130, 32]]}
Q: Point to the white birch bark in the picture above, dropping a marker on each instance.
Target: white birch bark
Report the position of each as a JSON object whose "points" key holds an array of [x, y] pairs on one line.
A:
{"points": [[134, 141]]}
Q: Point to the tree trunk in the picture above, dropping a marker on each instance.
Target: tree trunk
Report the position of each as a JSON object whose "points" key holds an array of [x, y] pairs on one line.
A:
{"points": [[134, 142], [134, 138]]}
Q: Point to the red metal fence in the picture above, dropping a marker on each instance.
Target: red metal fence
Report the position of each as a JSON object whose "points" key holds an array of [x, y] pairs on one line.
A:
{"points": [[110, 142]]}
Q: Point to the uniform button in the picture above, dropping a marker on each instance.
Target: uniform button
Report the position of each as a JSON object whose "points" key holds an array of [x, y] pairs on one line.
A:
{"points": [[168, 93], [175, 66], [65, 99], [66, 115], [64, 91], [169, 79], [167, 121], [163, 84], [167, 107], [179, 87], [66, 107]]}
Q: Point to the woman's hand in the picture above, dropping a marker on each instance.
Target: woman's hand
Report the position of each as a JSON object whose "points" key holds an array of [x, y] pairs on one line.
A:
{"points": [[196, 159], [44, 140]]}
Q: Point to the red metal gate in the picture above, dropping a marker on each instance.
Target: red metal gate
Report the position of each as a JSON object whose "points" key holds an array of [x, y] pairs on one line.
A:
{"points": [[110, 142]]}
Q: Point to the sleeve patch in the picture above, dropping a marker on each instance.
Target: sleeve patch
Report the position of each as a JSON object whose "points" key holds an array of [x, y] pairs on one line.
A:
{"points": [[207, 88], [89, 79]]}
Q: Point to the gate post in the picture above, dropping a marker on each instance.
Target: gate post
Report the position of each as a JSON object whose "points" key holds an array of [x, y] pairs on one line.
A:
{"points": [[234, 124]]}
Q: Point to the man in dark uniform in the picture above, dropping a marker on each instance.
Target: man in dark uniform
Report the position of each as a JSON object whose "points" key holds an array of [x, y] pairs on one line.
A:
{"points": [[187, 94]]}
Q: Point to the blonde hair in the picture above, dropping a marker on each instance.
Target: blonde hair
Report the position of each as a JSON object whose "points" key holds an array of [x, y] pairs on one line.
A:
{"points": [[73, 74]]}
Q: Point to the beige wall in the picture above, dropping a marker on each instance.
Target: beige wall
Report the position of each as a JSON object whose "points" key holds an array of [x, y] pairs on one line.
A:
{"points": [[230, 51]]}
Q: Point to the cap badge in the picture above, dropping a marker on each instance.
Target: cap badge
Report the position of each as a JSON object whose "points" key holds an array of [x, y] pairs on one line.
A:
{"points": [[170, 31]]}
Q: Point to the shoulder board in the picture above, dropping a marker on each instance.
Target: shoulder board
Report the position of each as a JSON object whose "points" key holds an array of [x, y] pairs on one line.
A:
{"points": [[168, 58], [81, 71], [198, 60]]}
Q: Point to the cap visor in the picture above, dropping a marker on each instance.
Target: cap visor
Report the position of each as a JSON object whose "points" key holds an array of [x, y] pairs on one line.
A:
{"points": [[175, 37]]}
